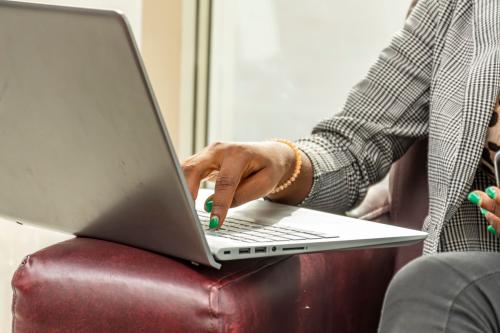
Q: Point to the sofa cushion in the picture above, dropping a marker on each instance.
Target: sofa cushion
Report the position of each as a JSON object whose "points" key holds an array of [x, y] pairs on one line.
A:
{"points": [[87, 285]]}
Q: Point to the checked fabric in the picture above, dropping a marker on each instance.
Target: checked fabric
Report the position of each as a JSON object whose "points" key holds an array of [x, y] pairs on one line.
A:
{"points": [[439, 78]]}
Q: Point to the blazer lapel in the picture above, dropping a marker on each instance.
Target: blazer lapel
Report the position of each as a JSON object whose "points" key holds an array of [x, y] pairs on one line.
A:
{"points": [[480, 97]]}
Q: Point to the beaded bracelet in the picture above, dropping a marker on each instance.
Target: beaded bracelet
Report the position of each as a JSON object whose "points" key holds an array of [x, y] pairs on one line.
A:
{"points": [[298, 165]]}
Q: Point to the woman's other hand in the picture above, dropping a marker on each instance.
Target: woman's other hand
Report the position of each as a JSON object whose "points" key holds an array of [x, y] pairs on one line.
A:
{"points": [[489, 204], [246, 171]]}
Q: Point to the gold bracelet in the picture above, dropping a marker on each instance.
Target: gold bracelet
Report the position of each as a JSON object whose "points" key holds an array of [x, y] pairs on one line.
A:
{"points": [[298, 165]]}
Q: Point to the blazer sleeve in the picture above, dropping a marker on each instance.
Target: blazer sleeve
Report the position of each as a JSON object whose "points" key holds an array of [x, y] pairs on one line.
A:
{"points": [[384, 114]]}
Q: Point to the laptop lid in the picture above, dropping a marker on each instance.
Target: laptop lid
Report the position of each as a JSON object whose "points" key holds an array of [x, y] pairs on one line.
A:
{"points": [[83, 147]]}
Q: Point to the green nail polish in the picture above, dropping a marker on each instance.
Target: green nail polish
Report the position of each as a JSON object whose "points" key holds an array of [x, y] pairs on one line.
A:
{"points": [[214, 222], [492, 230], [208, 205], [492, 193], [474, 198], [484, 212]]}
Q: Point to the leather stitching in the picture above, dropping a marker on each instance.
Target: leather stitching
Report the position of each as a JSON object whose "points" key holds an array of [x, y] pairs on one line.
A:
{"points": [[216, 287], [214, 293], [242, 270], [222, 285], [14, 297]]}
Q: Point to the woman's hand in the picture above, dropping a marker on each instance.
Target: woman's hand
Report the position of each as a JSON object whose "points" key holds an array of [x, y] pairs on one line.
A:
{"points": [[243, 172], [489, 203]]}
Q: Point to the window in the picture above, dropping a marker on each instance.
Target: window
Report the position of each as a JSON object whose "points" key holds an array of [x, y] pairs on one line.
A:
{"points": [[280, 66]]}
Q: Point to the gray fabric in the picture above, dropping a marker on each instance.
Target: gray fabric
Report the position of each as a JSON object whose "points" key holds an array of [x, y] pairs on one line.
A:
{"points": [[439, 79], [446, 292]]}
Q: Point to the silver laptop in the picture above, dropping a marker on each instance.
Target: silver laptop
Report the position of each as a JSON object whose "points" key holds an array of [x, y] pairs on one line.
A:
{"points": [[84, 150]]}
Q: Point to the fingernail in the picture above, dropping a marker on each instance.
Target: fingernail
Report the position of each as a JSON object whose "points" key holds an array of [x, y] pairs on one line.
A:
{"points": [[474, 198], [492, 193], [492, 230], [208, 205], [484, 212], [214, 222]]}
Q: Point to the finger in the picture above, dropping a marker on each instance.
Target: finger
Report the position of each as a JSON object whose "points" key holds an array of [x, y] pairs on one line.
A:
{"points": [[229, 177], [494, 222], [254, 187], [481, 199], [494, 194], [198, 167], [212, 176]]}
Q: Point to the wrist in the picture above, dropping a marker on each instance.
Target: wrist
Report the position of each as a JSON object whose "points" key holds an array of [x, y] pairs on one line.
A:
{"points": [[287, 166], [290, 174], [298, 191]]}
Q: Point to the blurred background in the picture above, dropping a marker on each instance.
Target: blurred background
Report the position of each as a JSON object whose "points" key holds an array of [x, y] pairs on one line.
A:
{"points": [[236, 70]]}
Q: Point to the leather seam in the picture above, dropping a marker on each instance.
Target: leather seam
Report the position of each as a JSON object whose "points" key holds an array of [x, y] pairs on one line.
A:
{"points": [[263, 267], [14, 293], [216, 287], [230, 275], [214, 292]]}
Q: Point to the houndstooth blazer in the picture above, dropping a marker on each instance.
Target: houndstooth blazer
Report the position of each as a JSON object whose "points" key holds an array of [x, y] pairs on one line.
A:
{"points": [[439, 78]]}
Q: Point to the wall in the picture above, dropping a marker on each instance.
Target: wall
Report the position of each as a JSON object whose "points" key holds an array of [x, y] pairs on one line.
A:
{"points": [[161, 50], [18, 241]]}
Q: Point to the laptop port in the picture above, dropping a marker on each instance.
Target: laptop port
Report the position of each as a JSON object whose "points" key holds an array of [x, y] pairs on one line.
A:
{"points": [[260, 249], [244, 250], [297, 248], [227, 252]]}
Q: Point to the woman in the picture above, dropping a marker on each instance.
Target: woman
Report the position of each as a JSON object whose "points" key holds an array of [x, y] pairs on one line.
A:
{"points": [[439, 78]]}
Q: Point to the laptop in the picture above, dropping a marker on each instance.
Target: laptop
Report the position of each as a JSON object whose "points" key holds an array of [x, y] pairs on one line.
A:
{"points": [[84, 150]]}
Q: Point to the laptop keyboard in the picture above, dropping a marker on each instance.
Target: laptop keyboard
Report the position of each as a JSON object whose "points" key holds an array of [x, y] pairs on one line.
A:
{"points": [[244, 230]]}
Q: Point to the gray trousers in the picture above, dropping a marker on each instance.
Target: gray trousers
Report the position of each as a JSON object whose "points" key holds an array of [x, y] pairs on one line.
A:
{"points": [[450, 292]]}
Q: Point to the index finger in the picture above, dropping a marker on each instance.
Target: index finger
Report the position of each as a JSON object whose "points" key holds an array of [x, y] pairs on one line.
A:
{"points": [[227, 182]]}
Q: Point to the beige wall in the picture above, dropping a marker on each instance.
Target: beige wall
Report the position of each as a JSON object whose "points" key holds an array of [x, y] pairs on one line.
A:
{"points": [[161, 50], [17, 242]]}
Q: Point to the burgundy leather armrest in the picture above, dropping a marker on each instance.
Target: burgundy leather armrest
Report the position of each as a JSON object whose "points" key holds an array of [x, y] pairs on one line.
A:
{"points": [[410, 196], [86, 285]]}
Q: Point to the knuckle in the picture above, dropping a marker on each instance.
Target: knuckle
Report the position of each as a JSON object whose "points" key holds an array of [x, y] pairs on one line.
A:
{"points": [[236, 202], [241, 149], [493, 220], [216, 145], [219, 206], [225, 182], [188, 167], [233, 150]]}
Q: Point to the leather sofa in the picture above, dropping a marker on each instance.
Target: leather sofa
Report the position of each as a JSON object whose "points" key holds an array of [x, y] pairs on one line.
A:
{"points": [[87, 285]]}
